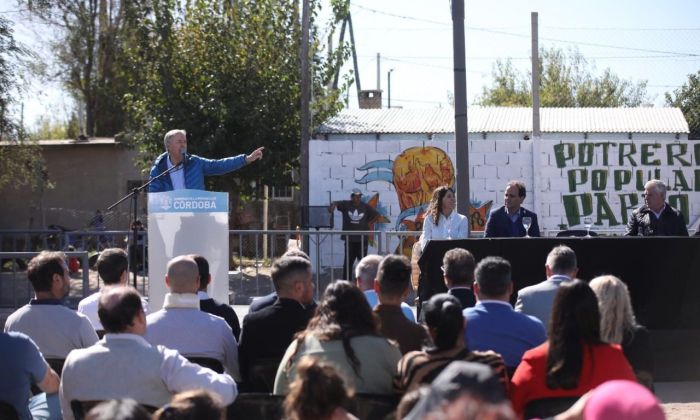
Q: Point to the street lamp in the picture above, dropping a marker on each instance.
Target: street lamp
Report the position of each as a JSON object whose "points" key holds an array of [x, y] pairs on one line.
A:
{"points": [[388, 77]]}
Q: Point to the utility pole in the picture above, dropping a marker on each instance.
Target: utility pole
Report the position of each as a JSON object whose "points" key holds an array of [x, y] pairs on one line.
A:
{"points": [[460, 86], [305, 99], [388, 82], [379, 71], [354, 56], [536, 134]]}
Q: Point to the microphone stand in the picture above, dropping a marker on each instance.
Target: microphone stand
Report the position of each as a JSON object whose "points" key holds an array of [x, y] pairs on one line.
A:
{"points": [[134, 195]]}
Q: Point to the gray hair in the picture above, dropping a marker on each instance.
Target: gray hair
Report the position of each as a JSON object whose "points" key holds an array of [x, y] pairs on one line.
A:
{"points": [[561, 260], [170, 134], [658, 185], [366, 269]]}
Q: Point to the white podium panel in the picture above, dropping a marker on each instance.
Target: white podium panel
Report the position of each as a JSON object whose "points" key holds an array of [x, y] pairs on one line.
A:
{"points": [[187, 222]]}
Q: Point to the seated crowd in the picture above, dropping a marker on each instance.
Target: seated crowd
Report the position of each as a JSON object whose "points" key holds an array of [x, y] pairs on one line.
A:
{"points": [[472, 356]]}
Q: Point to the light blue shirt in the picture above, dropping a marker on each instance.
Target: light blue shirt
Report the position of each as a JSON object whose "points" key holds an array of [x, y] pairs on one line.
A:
{"points": [[177, 176], [373, 301]]}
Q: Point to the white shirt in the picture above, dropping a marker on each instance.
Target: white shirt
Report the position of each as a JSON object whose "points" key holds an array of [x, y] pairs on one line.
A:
{"points": [[88, 307], [455, 226], [177, 176], [182, 326]]}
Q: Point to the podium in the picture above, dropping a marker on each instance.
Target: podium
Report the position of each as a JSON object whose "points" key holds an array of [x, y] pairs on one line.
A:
{"points": [[187, 222]]}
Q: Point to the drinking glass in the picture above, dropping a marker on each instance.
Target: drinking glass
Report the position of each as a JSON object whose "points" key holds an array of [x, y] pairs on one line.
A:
{"points": [[527, 222], [588, 223]]}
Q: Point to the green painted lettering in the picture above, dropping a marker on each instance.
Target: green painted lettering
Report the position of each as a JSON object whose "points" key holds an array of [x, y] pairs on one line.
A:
{"points": [[679, 181], [564, 152], [599, 179], [655, 174], [682, 150], [576, 205], [648, 153], [606, 148], [585, 154], [622, 154], [575, 180], [622, 177], [604, 211]]}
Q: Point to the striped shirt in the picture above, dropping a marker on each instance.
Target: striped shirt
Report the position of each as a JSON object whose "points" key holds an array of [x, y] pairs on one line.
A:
{"points": [[421, 368]]}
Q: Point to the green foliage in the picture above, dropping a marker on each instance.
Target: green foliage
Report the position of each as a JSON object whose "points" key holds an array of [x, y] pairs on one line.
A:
{"points": [[567, 79], [21, 164], [229, 74], [687, 98], [51, 129]]}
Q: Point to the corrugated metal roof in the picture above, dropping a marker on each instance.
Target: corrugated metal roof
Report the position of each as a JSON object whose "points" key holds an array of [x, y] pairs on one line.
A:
{"points": [[505, 119]]}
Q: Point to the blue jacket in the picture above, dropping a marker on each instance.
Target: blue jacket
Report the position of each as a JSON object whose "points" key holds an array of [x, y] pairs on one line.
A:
{"points": [[496, 326], [499, 224], [196, 168]]}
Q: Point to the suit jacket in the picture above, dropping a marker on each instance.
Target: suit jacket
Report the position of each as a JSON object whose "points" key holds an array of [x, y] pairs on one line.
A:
{"points": [[465, 295], [224, 311], [196, 168], [499, 224], [537, 300], [268, 300], [494, 325], [266, 334], [643, 222], [394, 326]]}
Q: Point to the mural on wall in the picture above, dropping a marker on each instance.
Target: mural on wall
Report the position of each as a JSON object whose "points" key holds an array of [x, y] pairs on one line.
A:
{"points": [[626, 168], [378, 223], [415, 173]]}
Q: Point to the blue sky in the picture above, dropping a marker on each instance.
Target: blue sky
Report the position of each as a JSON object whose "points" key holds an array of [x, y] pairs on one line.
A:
{"points": [[657, 41]]}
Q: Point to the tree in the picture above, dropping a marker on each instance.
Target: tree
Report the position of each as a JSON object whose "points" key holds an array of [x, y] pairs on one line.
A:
{"points": [[687, 98], [228, 73], [88, 53], [567, 79], [20, 162]]}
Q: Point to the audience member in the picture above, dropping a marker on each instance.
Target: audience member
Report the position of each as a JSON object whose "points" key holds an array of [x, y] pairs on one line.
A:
{"points": [[192, 405], [464, 391], [392, 285], [210, 305], [619, 400], [124, 365], [493, 324], [268, 300], [266, 334], [445, 322], [113, 267], [22, 365], [365, 274], [318, 392], [458, 270], [441, 218], [536, 300], [409, 400], [344, 332], [54, 328], [181, 326], [618, 326], [574, 360], [125, 409]]}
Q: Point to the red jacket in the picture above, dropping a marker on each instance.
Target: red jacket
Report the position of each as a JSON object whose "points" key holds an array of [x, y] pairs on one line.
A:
{"points": [[601, 363]]}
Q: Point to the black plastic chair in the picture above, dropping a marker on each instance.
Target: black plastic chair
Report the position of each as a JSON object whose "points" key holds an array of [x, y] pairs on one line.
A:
{"points": [[374, 406], [579, 233], [81, 408], [7, 411], [262, 375], [256, 406], [548, 407], [207, 362]]}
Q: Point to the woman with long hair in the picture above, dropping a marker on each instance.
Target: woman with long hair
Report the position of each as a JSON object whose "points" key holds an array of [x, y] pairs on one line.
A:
{"points": [[618, 326], [574, 359], [318, 392], [344, 332], [442, 220], [445, 322]]}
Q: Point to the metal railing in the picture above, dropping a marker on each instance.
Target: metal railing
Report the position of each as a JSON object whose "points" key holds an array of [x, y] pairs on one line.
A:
{"points": [[13, 278]]}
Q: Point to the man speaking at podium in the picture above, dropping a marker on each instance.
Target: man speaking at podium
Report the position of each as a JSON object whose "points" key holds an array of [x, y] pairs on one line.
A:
{"points": [[191, 169]]}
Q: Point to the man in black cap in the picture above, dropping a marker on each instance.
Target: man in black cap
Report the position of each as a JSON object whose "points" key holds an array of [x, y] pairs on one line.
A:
{"points": [[357, 215]]}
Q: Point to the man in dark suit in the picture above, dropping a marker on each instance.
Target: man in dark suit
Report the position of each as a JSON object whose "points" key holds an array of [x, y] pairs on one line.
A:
{"points": [[656, 217], [507, 221], [208, 304], [458, 270], [267, 333], [268, 300]]}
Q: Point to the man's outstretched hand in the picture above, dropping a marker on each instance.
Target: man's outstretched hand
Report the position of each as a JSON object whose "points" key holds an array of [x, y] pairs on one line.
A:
{"points": [[257, 154]]}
